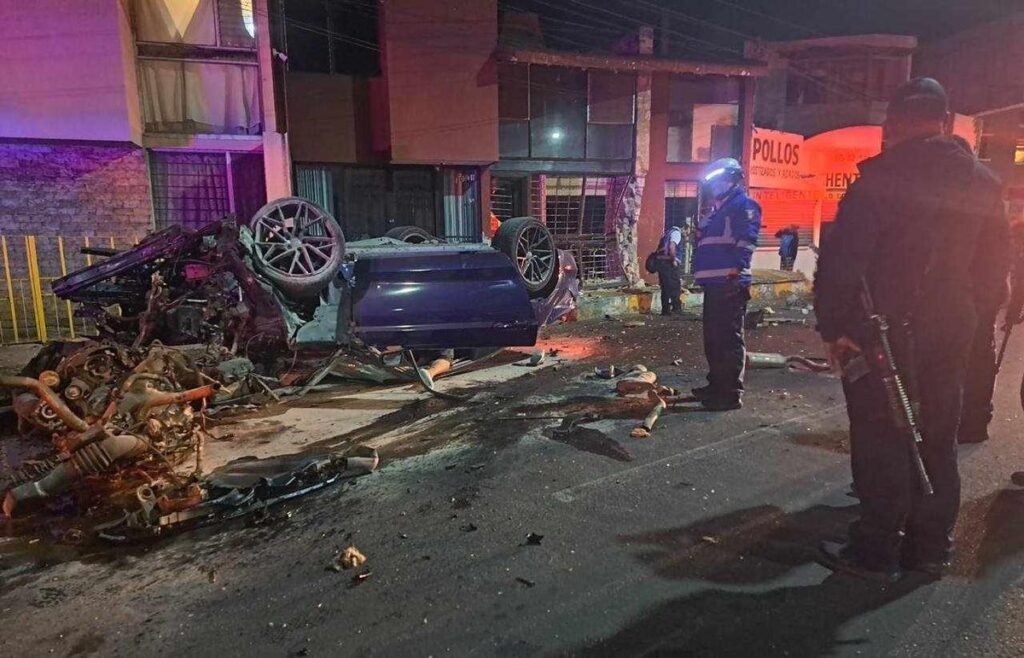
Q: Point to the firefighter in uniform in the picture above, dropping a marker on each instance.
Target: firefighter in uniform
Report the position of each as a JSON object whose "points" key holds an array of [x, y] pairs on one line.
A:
{"points": [[725, 243], [924, 230]]}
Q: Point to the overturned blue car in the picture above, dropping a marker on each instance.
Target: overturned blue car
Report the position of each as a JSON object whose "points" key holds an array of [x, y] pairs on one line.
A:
{"points": [[288, 293]]}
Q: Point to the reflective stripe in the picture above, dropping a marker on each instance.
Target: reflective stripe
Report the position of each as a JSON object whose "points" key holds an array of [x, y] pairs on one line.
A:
{"points": [[725, 239], [743, 244], [727, 231], [709, 274]]}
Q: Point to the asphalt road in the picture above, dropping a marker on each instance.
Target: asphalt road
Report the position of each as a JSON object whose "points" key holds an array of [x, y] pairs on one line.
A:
{"points": [[698, 541]]}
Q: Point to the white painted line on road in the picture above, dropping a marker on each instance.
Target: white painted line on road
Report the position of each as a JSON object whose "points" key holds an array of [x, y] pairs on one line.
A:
{"points": [[567, 495]]}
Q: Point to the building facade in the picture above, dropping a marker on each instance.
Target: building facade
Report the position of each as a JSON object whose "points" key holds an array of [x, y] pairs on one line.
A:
{"points": [[817, 85], [981, 71], [125, 116]]}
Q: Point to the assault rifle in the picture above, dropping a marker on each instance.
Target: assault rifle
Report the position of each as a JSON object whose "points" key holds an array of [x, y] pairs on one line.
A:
{"points": [[1011, 318], [878, 359]]}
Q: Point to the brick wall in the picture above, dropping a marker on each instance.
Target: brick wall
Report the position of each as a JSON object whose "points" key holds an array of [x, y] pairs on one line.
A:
{"points": [[73, 189]]}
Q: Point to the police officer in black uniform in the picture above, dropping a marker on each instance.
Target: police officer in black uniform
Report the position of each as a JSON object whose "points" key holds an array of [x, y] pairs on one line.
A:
{"points": [[924, 229], [980, 382]]}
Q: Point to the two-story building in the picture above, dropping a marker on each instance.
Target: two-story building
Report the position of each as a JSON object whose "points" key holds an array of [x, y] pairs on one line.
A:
{"points": [[124, 116], [981, 70], [609, 147]]}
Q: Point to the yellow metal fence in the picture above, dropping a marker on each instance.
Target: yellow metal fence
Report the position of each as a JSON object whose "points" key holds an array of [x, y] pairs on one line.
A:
{"points": [[29, 311]]}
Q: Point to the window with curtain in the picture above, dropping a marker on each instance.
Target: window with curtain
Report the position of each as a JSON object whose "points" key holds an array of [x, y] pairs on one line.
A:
{"points": [[220, 23], [199, 97]]}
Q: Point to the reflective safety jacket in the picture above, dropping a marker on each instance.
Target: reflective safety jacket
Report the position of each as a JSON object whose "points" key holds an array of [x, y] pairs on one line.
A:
{"points": [[726, 240]]}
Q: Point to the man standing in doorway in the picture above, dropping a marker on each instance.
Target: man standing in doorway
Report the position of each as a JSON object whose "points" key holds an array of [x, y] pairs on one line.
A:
{"points": [[923, 233], [725, 244]]}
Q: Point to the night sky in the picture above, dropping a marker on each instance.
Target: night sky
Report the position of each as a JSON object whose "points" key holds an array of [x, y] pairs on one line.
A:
{"points": [[696, 26]]}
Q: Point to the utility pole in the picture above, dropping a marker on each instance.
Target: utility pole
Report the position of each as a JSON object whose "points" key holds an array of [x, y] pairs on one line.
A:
{"points": [[664, 26]]}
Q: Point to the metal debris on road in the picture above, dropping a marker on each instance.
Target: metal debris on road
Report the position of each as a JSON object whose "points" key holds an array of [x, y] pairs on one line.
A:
{"points": [[771, 361]]}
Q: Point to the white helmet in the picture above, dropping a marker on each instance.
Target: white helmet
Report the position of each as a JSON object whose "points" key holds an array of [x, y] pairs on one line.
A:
{"points": [[722, 176]]}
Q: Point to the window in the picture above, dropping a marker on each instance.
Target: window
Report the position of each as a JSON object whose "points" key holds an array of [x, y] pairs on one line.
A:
{"points": [[985, 142], [610, 115], [184, 96], [332, 36], [218, 23], [514, 110], [193, 189], [561, 113], [703, 119], [558, 112]]}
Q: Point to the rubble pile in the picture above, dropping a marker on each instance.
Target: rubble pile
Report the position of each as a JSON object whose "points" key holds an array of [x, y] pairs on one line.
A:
{"points": [[120, 429]]}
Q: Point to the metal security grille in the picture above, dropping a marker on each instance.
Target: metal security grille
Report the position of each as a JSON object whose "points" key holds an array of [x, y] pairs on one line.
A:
{"points": [[575, 209], [681, 209], [461, 201], [189, 189], [517, 196], [503, 197], [315, 184]]}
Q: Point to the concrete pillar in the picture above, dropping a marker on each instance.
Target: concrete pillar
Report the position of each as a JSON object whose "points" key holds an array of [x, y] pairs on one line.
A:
{"points": [[628, 209], [277, 162]]}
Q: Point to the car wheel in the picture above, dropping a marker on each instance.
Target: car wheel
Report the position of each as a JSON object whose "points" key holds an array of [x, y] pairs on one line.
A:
{"points": [[297, 245], [531, 247], [410, 234]]}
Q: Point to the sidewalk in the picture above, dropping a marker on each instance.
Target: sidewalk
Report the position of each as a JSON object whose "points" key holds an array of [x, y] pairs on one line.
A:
{"points": [[770, 288]]}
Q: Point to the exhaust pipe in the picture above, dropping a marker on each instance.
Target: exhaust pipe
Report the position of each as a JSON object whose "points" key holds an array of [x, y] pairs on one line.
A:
{"points": [[92, 459]]}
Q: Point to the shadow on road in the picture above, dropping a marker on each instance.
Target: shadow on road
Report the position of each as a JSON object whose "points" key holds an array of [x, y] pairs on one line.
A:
{"points": [[990, 533], [748, 547], [758, 545], [753, 545], [788, 621]]}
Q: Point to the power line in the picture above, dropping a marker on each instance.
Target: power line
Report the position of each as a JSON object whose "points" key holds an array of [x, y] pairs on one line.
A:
{"points": [[836, 85], [761, 14]]}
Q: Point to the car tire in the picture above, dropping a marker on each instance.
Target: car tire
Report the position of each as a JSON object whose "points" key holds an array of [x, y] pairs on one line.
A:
{"points": [[410, 234], [297, 245], [531, 247]]}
